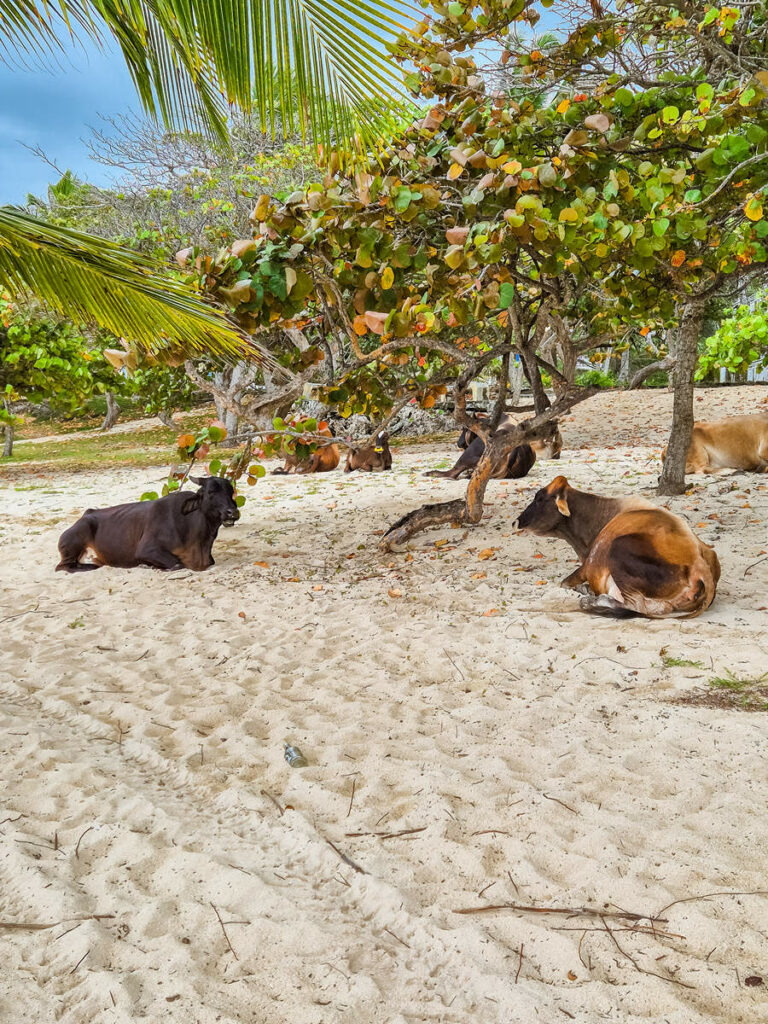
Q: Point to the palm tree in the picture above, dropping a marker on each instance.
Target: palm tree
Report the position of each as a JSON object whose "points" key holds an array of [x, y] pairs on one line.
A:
{"points": [[191, 60]]}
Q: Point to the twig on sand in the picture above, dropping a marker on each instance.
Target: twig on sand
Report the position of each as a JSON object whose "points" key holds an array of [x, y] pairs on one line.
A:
{"points": [[402, 943], [706, 896], [562, 804], [85, 954], [621, 915], [636, 965], [33, 926], [387, 835], [268, 795], [352, 797], [77, 848], [746, 571], [224, 930], [347, 860], [520, 962]]}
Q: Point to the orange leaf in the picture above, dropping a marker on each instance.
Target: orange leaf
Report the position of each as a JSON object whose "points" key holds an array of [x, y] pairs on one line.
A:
{"points": [[264, 565], [487, 553], [491, 611], [479, 575], [394, 592], [359, 326], [678, 258], [375, 321]]}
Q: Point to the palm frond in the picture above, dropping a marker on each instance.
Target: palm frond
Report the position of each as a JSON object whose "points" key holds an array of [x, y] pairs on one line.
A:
{"points": [[90, 280], [191, 59]]}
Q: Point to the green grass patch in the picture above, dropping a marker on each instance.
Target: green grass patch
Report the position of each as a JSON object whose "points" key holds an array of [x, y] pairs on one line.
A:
{"points": [[670, 662], [731, 693]]}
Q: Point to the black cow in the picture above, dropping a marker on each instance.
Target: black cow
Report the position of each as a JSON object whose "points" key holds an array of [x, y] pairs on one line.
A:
{"points": [[174, 532]]}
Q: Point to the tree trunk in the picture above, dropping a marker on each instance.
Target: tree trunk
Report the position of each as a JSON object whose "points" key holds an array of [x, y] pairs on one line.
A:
{"points": [[672, 479], [569, 357], [8, 446], [531, 367], [516, 377], [113, 411], [624, 370], [667, 363], [166, 418]]}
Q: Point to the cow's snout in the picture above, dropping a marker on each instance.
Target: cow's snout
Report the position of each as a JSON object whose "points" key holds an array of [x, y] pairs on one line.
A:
{"points": [[231, 516]]}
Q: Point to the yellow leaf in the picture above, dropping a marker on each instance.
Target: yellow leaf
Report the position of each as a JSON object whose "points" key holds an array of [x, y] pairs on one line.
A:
{"points": [[387, 278], [487, 553], [512, 167], [568, 215], [441, 543], [290, 279], [563, 106], [394, 592], [455, 170], [754, 209]]}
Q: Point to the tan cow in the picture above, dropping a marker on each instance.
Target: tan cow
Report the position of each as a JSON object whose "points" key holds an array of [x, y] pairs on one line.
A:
{"points": [[740, 442], [323, 460], [636, 558]]}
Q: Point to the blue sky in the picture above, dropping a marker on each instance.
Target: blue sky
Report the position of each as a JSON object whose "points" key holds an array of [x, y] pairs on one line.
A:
{"points": [[53, 109]]}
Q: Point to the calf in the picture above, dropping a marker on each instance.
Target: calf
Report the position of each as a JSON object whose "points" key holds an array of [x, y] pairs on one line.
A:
{"points": [[740, 442], [372, 458], [637, 559], [174, 532], [323, 460]]}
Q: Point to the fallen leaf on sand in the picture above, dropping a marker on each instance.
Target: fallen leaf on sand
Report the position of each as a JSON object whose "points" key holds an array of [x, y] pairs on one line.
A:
{"points": [[479, 575], [318, 586], [394, 592], [241, 615], [264, 565], [487, 553], [491, 611], [441, 543]]}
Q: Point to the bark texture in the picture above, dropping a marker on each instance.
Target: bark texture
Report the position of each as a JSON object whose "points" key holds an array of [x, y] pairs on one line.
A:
{"points": [[672, 479], [113, 412]]}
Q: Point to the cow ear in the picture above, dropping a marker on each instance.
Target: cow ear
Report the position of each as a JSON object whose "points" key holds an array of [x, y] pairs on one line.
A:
{"points": [[191, 504], [197, 480], [562, 505]]}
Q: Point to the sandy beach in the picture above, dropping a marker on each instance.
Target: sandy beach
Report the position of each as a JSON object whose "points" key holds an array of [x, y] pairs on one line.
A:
{"points": [[473, 739]]}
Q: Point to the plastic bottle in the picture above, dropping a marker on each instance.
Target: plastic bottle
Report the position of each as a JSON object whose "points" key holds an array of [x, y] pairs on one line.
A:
{"points": [[294, 756]]}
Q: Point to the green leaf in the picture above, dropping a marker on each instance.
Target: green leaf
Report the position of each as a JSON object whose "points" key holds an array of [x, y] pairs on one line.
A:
{"points": [[149, 496], [507, 293]]}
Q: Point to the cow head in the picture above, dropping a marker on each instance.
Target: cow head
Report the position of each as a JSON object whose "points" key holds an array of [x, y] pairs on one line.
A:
{"points": [[381, 441], [215, 499], [550, 444], [548, 510]]}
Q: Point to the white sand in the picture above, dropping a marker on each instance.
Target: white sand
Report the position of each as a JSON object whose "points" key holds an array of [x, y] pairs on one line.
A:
{"points": [[142, 717]]}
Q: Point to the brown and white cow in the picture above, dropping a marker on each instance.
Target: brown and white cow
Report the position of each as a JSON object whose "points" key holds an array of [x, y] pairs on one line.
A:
{"points": [[636, 558], [740, 442]]}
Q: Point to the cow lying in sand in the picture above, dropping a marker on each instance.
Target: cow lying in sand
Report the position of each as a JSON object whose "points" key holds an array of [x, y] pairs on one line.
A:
{"points": [[740, 442], [517, 464], [373, 458], [547, 448], [174, 532], [323, 460], [636, 558]]}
